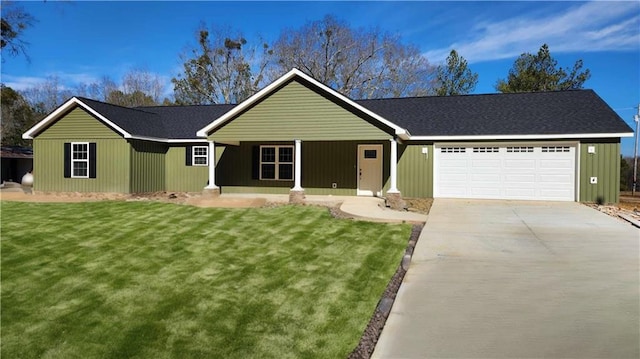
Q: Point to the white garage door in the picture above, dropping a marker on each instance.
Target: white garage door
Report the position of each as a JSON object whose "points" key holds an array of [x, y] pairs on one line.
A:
{"points": [[522, 171]]}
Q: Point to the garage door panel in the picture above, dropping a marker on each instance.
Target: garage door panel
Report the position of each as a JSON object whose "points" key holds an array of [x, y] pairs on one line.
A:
{"points": [[493, 178], [485, 192], [559, 179], [520, 164], [513, 193], [557, 164], [454, 163], [527, 172], [520, 178]]}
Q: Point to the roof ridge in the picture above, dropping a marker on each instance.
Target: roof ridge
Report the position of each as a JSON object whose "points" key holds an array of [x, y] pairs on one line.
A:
{"points": [[170, 106], [475, 95], [114, 105]]}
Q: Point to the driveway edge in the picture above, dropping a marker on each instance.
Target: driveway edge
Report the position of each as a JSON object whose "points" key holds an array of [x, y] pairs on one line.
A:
{"points": [[372, 332]]}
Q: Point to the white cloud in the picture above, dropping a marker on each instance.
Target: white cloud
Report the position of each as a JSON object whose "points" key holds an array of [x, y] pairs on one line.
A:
{"points": [[66, 80], [20, 83], [590, 27]]}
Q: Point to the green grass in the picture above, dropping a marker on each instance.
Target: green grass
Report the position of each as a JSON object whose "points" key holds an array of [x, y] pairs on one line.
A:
{"points": [[153, 280]]}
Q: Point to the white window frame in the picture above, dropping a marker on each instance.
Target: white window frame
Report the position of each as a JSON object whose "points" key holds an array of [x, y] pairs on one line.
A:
{"points": [[205, 156], [277, 162], [79, 160]]}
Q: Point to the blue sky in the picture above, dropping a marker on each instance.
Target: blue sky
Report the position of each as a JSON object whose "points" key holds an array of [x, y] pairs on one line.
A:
{"points": [[82, 41]]}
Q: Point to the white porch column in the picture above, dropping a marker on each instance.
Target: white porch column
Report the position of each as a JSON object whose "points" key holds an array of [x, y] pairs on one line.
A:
{"points": [[297, 173], [212, 166], [393, 186]]}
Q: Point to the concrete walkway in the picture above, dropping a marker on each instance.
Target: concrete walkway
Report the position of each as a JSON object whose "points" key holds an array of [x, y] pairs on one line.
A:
{"points": [[498, 279], [363, 208]]}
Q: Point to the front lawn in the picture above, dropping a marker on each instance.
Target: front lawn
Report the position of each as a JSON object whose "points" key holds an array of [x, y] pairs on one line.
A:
{"points": [[154, 280]]}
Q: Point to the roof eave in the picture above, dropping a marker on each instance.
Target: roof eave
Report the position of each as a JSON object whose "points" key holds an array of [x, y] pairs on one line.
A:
{"points": [[521, 137]]}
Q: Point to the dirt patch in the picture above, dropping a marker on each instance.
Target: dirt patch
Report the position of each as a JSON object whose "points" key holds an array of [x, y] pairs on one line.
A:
{"points": [[168, 197], [372, 332], [419, 205], [629, 202]]}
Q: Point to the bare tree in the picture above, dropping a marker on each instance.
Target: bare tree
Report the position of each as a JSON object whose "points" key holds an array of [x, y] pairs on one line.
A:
{"points": [[47, 95], [12, 25], [144, 82], [219, 69], [356, 62], [98, 90]]}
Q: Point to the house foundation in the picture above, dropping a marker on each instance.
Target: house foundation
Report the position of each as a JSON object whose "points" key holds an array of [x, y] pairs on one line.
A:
{"points": [[211, 192], [395, 201], [296, 197]]}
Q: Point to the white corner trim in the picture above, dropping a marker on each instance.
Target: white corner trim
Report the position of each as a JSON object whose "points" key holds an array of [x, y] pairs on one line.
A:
{"points": [[520, 137], [399, 131], [53, 116]]}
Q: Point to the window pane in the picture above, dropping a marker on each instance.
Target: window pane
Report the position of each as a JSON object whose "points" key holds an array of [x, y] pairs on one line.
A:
{"points": [[268, 154], [200, 151], [200, 161], [80, 151], [286, 154], [285, 171], [269, 171], [80, 169], [370, 153]]}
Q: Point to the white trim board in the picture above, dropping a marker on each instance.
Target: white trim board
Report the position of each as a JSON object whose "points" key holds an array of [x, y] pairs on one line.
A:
{"points": [[520, 137]]}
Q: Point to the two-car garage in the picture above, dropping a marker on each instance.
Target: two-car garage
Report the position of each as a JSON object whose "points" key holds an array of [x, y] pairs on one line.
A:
{"points": [[519, 171]]}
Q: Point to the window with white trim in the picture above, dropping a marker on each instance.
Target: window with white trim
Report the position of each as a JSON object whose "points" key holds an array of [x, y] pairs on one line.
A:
{"points": [[80, 159], [200, 156], [276, 163]]}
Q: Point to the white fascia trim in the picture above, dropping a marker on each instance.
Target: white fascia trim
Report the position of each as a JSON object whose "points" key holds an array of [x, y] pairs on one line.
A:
{"points": [[520, 137], [63, 108], [165, 140], [399, 131]]}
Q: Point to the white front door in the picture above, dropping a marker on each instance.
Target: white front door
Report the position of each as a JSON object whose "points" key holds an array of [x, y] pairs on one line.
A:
{"points": [[369, 170]]}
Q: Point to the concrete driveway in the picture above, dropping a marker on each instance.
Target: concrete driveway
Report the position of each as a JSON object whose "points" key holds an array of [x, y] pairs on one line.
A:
{"points": [[507, 279]]}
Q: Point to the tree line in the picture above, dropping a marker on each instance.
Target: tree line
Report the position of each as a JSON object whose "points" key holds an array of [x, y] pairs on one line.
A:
{"points": [[224, 67]]}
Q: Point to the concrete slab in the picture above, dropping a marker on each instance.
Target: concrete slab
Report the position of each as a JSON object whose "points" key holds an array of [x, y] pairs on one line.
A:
{"points": [[372, 208], [500, 279]]}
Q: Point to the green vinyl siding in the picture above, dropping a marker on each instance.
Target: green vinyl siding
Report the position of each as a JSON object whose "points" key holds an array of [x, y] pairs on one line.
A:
{"points": [[112, 167], [415, 171], [297, 112], [183, 178], [323, 163], [603, 164], [147, 166], [78, 123]]}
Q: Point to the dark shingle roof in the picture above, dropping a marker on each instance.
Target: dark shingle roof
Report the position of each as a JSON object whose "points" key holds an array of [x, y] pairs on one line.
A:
{"points": [[540, 113], [170, 122], [134, 121], [536, 113], [182, 122]]}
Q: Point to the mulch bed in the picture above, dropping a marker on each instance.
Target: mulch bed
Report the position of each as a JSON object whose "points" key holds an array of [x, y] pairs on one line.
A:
{"points": [[372, 332]]}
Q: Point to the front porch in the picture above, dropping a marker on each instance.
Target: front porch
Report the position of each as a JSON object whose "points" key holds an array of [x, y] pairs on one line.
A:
{"points": [[305, 168]]}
